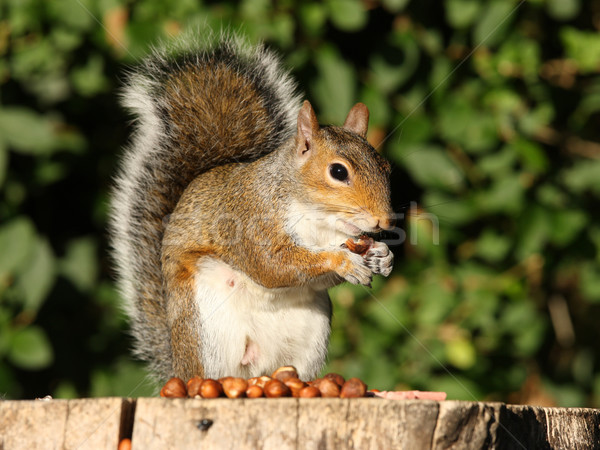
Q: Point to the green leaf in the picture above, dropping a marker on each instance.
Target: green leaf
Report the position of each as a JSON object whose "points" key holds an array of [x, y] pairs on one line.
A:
{"points": [[6, 332], [534, 226], [347, 15], [65, 39], [498, 164], [462, 13], [583, 47], [395, 5], [530, 336], [566, 224], [457, 387], [505, 195], [412, 130], [379, 107], [566, 395], [436, 302], [531, 154], [140, 37], [282, 30], [38, 277], [423, 233], [492, 246], [539, 117], [65, 389], [124, 379], [452, 211], [30, 349], [550, 195], [3, 162], [255, 10], [90, 80], [493, 24], [589, 104], [41, 69], [25, 130], [17, 241], [594, 235], [461, 123], [582, 176], [313, 17], [590, 282], [430, 166], [80, 15], [80, 263], [563, 9], [389, 316], [461, 353], [336, 80], [50, 172]]}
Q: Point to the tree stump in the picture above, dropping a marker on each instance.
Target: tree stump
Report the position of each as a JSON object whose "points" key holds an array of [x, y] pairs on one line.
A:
{"points": [[288, 423]]}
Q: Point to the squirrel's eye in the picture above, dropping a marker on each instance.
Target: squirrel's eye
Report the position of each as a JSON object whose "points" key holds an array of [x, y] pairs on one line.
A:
{"points": [[339, 172]]}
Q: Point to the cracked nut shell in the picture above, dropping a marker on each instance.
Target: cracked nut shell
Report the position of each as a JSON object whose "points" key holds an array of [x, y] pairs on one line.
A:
{"points": [[285, 372], [235, 387]]}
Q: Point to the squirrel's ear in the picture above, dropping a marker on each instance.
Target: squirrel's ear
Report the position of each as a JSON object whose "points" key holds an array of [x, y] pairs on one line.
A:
{"points": [[307, 128], [358, 119]]}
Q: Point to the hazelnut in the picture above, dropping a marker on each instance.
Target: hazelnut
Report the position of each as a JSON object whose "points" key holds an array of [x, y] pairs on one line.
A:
{"points": [[309, 392], [174, 388], [361, 246], [295, 385], [285, 372], [210, 389], [353, 388], [193, 386], [220, 380], [234, 387], [254, 391], [327, 387], [259, 381], [336, 378], [125, 444], [276, 389]]}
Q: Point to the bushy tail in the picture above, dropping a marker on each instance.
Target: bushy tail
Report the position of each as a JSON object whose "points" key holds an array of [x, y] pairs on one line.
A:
{"points": [[197, 106]]}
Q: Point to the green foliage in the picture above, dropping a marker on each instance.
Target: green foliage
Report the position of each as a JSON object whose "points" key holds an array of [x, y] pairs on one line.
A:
{"points": [[488, 110]]}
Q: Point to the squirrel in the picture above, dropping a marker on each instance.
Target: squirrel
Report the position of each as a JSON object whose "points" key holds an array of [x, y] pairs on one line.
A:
{"points": [[230, 211]]}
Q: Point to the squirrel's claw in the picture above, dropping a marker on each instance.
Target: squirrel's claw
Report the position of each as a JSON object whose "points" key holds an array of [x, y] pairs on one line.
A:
{"points": [[379, 259], [357, 270]]}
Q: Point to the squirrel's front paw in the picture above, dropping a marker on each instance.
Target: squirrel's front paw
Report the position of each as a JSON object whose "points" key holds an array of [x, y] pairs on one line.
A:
{"points": [[379, 259], [356, 271]]}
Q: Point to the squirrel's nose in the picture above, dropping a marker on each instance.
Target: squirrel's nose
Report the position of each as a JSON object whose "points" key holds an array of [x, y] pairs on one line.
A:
{"points": [[386, 223]]}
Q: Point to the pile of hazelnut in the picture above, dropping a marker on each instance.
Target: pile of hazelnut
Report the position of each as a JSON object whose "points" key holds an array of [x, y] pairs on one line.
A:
{"points": [[284, 382]]}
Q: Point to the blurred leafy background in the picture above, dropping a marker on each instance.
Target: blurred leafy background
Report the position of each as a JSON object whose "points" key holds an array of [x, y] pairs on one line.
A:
{"points": [[489, 111]]}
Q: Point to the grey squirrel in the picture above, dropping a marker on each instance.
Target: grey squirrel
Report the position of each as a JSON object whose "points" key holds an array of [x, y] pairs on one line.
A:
{"points": [[231, 209]]}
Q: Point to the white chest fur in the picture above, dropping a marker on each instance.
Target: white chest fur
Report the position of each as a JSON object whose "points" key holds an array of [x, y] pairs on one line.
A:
{"points": [[247, 330]]}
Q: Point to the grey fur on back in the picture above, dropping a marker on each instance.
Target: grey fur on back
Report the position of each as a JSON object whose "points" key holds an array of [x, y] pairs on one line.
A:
{"points": [[186, 122]]}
